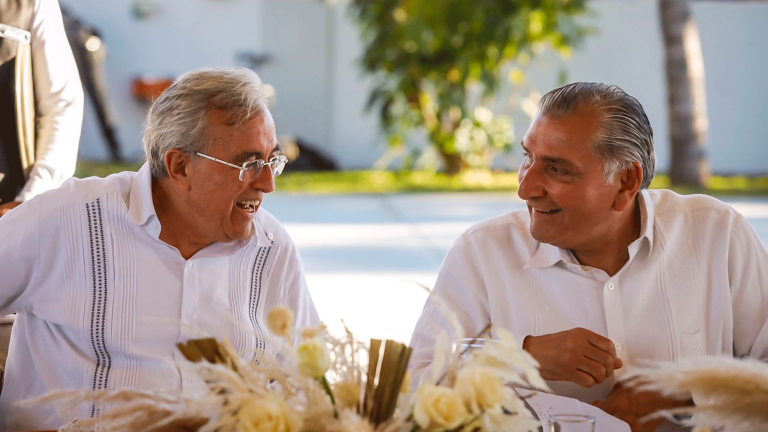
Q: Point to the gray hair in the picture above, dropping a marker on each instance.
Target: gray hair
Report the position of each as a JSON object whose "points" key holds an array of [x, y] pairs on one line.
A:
{"points": [[625, 135], [178, 119]]}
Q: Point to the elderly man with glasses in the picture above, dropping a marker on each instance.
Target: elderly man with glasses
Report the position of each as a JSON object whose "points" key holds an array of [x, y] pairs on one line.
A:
{"points": [[108, 275]]}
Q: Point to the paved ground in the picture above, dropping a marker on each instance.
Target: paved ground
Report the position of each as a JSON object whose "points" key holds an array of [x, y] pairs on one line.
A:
{"points": [[365, 256]]}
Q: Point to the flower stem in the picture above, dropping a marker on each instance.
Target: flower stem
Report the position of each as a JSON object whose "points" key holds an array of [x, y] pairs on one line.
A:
{"points": [[327, 387]]}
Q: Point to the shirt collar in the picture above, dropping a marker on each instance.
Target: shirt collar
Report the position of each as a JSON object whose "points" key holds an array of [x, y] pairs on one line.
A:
{"points": [[259, 234], [647, 220], [140, 205], [547, 255], [141, 208]]}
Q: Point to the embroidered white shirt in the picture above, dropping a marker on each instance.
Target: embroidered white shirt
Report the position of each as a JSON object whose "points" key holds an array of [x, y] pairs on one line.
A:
{"points": [[58, 102], [100, 298], [696, 283]]}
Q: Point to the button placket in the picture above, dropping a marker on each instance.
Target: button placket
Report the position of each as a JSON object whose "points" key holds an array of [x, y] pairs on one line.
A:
{"points": [[614, 317], [189, 294]]}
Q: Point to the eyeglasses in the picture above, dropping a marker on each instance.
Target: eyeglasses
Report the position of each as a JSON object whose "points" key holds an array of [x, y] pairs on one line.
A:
{"points": [[251, 170]]}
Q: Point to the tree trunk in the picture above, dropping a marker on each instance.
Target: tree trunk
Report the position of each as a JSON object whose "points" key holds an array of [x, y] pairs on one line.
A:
{"points": [[686, 93], [453, 162]]}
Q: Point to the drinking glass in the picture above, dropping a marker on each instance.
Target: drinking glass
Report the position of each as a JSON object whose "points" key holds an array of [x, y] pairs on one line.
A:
{"points": [[467, 345], [572, 423]]}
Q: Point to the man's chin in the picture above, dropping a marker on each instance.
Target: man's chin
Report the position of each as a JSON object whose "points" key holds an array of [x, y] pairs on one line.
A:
{"points": [[544, 237], [240, 232]]}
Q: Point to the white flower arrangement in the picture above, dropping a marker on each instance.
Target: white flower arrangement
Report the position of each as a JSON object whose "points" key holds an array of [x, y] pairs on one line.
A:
{"points": [[731, 394], [322, 385]]}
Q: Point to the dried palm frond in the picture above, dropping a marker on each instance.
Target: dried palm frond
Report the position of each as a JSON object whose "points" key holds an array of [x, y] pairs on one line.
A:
{"points": [[243, 390], [731, 393], [132, 409]]}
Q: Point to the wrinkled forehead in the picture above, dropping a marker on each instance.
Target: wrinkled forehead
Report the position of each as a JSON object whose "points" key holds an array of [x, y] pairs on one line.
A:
{"points": [[255, 136]]}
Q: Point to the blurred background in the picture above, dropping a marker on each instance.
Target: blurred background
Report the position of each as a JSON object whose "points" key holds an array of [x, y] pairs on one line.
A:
{"points": [[403, 117]]}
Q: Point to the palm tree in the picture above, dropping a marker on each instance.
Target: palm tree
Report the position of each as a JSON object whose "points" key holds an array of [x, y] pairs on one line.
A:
{"points": [[686, 93]]}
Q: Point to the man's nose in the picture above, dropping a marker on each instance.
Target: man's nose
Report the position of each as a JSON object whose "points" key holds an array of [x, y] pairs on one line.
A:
{"points": [[531, 184], [265, 181]]}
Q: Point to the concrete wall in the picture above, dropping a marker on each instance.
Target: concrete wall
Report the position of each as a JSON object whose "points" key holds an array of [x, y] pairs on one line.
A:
{"points": [[178, 36], [321, 92]]}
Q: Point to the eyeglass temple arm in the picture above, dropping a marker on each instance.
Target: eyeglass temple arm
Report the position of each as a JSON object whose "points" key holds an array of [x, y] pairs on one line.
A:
{"points": [[220, 161]]}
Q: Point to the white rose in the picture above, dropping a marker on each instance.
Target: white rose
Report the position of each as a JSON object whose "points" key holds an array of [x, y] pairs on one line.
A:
{"points": [[280, 322], [438, 408], [267, 414], [314, 358], [480, 388]]}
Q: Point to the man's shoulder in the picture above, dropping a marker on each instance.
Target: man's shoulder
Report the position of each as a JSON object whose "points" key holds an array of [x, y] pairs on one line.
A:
{"points": [[81, 191], [514, 223], [668, 204]]}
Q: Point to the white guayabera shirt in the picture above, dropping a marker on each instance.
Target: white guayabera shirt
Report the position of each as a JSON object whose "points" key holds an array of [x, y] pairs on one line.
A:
{"points": [[696, 283], [100, 297]]}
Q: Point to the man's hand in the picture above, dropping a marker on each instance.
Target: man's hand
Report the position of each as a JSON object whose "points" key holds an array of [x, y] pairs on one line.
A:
{"points": [[630, 405], [577, 355], [5, 208]]}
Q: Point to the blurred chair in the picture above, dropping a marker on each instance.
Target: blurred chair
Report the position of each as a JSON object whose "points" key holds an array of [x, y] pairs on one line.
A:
{"points": [[304, 156], [6, 323]]}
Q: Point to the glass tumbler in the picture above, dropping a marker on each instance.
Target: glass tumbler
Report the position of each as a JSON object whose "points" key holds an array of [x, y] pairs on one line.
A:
{"points": [[572, 423]]}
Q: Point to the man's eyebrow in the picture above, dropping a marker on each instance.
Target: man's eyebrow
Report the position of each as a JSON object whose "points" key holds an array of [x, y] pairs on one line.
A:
{"points": [[242, 157], [552, 159]]}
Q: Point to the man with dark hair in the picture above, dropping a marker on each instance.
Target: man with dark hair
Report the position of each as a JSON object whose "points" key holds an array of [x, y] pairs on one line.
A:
{"points": [[600, 272]]}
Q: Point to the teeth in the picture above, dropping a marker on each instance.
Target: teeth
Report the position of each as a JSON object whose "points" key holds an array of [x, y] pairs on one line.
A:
{"points": [[249, 205]]}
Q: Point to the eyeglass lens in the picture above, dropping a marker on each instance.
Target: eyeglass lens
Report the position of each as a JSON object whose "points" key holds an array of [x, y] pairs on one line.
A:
{"points": [[253, 171]]}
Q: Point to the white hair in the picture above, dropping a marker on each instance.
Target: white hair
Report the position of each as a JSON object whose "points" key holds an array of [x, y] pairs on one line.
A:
{"points": [[178, 119], [625, 135]]}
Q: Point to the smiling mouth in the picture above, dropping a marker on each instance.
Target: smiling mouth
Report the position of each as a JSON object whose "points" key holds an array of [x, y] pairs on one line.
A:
{"points": [[553, 211], [248, 206]]}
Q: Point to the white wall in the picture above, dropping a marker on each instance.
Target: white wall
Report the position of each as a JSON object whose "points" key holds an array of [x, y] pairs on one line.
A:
{"points": [[181, 35], [321, 91], [297, 36]]}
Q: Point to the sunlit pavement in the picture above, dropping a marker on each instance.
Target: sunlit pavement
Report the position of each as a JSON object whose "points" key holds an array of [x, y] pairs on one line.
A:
{"points": [[367, 257]]}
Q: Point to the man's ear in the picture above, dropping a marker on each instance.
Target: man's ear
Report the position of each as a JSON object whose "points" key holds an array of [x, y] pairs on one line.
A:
{"points": [[177, 163], [630, 180]]}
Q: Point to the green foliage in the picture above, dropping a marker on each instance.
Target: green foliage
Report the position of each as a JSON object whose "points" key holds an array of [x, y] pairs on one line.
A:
{"points": [[379, 182], [427, 56]]}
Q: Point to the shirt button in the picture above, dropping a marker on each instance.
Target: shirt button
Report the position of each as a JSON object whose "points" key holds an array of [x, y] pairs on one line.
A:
{"points": [[189, 263], [155, 226], [610, 286], [618, 347], [270, 236], [187, 378]]}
